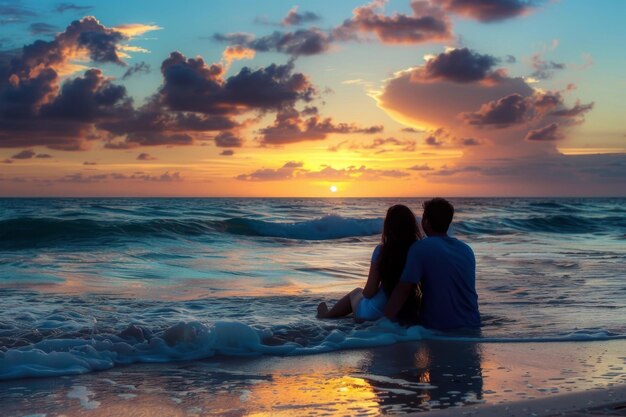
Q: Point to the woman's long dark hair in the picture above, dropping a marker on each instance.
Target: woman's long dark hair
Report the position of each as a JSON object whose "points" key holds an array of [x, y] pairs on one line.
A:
{"points": [[399, 232]]}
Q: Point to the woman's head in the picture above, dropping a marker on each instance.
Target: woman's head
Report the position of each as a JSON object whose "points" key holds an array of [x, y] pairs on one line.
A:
{"points": [[400, 227]]}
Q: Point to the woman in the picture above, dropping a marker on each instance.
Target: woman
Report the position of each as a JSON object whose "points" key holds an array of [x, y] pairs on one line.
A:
{"points": [[400, 230]]}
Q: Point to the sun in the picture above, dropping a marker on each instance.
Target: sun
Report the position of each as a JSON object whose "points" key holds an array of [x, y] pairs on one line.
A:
{"points": [[333, 188]]}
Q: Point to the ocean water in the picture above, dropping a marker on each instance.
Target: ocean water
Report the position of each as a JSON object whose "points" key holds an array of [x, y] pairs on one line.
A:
{"points": [[92, 284]]}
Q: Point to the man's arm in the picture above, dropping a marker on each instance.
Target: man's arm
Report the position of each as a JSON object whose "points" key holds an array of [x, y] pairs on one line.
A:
{"points": [[397, 299]]}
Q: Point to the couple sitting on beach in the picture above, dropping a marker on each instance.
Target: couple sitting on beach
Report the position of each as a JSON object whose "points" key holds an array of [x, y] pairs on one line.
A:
{"points": [[430, 281]]}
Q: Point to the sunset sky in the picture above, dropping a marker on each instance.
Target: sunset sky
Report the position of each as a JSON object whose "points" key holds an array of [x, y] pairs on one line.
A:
{"points": [[279, 98]]}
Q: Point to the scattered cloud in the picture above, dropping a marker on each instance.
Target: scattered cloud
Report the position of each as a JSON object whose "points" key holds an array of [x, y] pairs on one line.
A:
{"points": [[192, 85], [25, 154], [294, 17], [458, 65], [547, 133], [428, 23], [302, 42], [501, 113], [490, 10], [295, 170], [228, 139], [15, 12], [41, 28], [470, 142], [71, 7], [544, 70], [145, 157], [138, 68], [290, 127], [36, 110]]}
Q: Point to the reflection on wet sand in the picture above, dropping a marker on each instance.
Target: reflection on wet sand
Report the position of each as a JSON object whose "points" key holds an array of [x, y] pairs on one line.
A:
{"points": [[388, 380], [430, 374], [394, 379]]}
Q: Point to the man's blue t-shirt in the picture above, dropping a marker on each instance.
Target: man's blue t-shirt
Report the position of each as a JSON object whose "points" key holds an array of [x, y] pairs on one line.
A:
{"points": [[446, 268]]}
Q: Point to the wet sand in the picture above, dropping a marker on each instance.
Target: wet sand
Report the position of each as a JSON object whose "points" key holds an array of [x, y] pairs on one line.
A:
{"points": [[463, 378]]}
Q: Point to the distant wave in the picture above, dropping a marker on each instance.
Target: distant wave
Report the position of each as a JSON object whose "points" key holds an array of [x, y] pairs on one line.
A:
{"points": [[24, 232], [327, 227], [196, 340], [558, 223], [37, 231]]}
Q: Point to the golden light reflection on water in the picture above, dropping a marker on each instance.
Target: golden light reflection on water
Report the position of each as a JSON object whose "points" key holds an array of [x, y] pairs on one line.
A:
{"points": [[339, 396]]}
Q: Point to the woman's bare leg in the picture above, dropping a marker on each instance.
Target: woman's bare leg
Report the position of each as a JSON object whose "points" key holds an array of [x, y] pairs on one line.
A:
{"points": [[342, 308]]}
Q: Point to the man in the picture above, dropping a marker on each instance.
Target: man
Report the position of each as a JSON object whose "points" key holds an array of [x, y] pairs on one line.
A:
{"points": [[446, 269]]}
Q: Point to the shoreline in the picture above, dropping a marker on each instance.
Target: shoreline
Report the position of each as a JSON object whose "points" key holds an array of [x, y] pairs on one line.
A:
{"points": [[598, 401], [426, 378]]}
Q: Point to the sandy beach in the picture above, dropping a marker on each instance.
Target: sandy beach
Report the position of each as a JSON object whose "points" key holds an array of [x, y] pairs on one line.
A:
{"points": [[489, 379]]}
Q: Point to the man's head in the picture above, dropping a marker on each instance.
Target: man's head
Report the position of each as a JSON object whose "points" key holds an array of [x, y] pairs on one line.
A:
{"points": [[437, 216]]}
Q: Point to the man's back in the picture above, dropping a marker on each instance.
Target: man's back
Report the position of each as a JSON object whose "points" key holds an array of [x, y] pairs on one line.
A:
{"points": [[446, 268]]}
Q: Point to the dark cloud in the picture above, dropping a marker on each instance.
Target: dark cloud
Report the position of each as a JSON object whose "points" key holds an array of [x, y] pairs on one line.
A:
{"points": [[502, 113], [294, 17], [70, 7], [515, 109], [547, 133], [153, 124], [290, 127], [88, 163], [145, 157], [139, 67], [228, 139], [470, 142], [43, 156], [549, 100], [41, 28], [192, 85], [25, 154], [437, 137], [137, 139], [89, 98], [544, 69], [34, 110], [227, 152], [81, 178], [411, 130], [573, 112], [310, 41], [457, 65], [427, 23], [102, 45], [433, 141], [490, 10], [195, 97], [14, 13]]}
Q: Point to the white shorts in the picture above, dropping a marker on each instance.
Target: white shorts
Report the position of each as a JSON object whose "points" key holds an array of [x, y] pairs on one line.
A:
{"points": [[372, 308]]}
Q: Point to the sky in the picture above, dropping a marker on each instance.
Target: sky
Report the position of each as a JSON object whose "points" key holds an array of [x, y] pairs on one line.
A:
{"points": [[278, 98]]}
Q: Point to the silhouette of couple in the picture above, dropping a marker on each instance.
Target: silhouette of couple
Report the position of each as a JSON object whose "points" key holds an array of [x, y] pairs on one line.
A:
{"points": [[430, 281]]}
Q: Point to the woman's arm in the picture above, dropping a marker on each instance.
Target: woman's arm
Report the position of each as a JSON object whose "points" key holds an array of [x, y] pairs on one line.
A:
{"points": [[373, 281]]}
